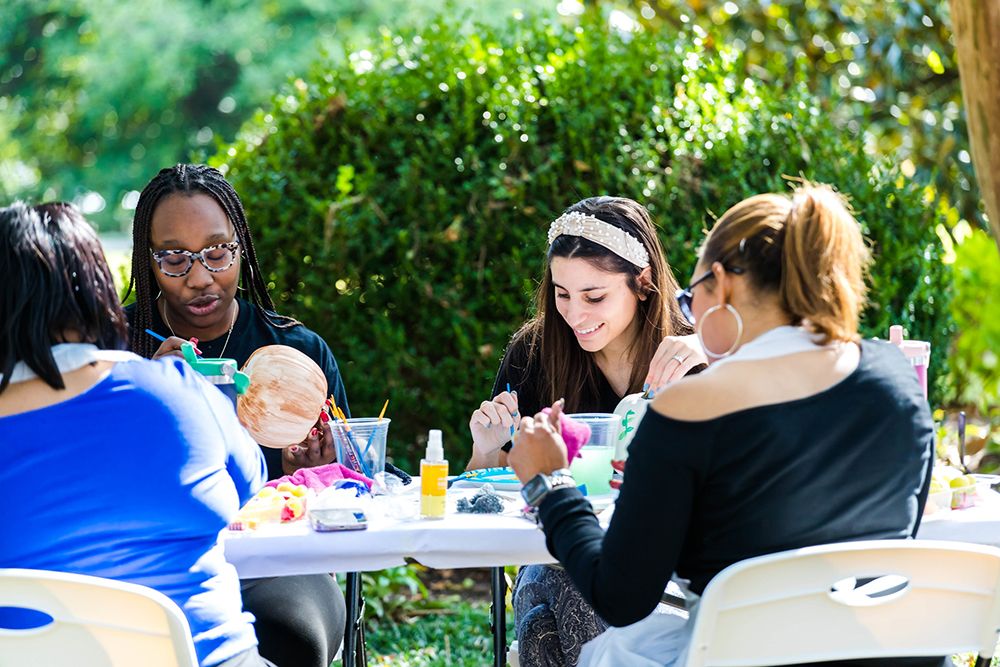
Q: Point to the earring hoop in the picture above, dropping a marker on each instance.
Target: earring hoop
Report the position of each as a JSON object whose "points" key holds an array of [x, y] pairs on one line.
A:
{"points": [[250, 278], [739, 330]]}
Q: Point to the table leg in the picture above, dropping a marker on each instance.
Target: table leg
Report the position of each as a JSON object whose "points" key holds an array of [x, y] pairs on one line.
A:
{"points": [[354, 653], [498, 609]]}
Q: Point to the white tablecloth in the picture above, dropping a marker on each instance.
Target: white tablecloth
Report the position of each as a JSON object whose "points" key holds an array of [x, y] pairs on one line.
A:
{"points": [[979, 524], [476, 540], [458, 540]]}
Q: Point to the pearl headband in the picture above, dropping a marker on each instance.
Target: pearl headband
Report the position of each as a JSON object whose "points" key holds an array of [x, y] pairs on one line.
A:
{"points": [[613, 238]]}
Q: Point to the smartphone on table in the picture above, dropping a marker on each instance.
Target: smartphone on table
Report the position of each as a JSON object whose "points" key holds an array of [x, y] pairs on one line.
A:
{"points": [[328, 520]]}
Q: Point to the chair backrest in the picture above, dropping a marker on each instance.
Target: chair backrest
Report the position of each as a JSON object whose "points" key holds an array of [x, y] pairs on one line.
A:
{"points": [[95, 623], [817, 604]]}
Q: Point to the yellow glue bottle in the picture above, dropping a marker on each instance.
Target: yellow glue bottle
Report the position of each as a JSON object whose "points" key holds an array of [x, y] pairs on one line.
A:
{"points": [[433, 478]]}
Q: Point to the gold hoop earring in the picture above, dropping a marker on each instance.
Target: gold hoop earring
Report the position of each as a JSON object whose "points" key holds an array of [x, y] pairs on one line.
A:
{"points": [[739, 330]]}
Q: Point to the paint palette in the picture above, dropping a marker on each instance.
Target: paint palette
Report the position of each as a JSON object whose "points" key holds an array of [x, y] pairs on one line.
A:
{"points": [[502, 479]]}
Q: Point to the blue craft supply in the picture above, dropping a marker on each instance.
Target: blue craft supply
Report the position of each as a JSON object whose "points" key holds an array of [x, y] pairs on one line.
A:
{"points": [[353, 444], [360, 488], [353, 451], [500, 478], [371, 439], [155, 335], [515, 414]]}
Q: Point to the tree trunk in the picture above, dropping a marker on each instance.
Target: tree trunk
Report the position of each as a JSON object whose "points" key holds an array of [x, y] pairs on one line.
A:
{"points": [[976, 25]]}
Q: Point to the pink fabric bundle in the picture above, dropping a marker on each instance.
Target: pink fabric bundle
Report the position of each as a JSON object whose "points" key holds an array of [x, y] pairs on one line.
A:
{"points": [[575, 434], [320, 477]]}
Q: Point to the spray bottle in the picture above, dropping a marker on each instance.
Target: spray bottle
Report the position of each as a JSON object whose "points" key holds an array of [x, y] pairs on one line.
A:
{"points": [[433, 478], [918, 353]]}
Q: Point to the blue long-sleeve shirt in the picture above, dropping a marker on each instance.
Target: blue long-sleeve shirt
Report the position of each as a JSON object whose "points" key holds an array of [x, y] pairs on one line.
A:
{"points": [[132, 480]]}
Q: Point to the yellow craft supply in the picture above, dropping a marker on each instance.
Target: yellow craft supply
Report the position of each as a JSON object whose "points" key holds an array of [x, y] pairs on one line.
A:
{"points": [[433, 479], [384, 406]]}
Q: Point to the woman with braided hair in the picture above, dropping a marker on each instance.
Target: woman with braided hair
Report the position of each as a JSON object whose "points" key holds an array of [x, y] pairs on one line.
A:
{"points": [[192, 252]]}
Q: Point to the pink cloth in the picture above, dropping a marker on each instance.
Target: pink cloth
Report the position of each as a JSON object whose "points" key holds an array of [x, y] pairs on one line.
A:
{"points": [[575, 434], [320, 477]]}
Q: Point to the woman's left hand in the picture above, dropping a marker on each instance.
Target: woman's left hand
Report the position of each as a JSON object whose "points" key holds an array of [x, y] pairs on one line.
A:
{"points": [[316, 450], [539, 447], [675, 356]]}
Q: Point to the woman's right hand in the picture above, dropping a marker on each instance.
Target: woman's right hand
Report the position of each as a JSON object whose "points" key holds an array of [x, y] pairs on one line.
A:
{"points": [[171, 345], [491, 426]]}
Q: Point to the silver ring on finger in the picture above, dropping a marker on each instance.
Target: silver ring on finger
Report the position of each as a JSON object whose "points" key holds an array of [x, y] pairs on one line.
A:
{"points": [[678, 358]]}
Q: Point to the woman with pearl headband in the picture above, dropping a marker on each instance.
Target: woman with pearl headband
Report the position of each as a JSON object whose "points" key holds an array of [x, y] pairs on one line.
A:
{"points": [[605, 326], [794, 407]]}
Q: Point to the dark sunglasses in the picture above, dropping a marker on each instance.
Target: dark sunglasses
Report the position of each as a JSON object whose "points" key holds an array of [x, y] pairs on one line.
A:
{"points": [[684, 296]]}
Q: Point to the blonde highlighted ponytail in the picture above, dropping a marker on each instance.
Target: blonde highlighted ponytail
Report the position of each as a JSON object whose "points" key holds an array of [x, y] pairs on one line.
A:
{"points": [[807, 248], [824, 261]]}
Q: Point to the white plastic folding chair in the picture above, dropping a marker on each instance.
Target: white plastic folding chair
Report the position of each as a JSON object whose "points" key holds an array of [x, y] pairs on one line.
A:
{"points": [[869, 599], [95, 623]]}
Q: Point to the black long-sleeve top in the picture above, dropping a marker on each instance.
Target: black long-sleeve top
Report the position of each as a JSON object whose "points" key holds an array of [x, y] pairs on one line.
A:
{"points": [[849, 463], [252, 331]]}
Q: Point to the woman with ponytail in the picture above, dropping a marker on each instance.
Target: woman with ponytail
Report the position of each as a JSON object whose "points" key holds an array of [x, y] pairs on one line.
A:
{"points": [[794, 407]]}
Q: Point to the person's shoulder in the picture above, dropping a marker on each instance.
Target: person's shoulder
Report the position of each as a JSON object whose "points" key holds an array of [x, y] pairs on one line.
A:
{"points": [[162, 373], [706, 395], [882, 354], [282, 330], [520, 349], [884, 368]]}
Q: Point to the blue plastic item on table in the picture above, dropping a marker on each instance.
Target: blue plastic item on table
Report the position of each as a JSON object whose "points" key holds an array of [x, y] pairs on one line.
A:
{"points": [[502, 479]]}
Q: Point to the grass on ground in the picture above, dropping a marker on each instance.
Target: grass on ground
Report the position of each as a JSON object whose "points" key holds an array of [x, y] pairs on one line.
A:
{"points": [[458, 635]]}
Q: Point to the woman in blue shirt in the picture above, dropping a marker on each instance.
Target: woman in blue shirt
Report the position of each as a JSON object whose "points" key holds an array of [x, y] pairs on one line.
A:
{"points": [[136, 465]]}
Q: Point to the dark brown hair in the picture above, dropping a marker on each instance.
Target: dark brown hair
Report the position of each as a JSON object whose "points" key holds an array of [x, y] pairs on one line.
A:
{"points": [[807, 248], [567, 370], [55, 281]]}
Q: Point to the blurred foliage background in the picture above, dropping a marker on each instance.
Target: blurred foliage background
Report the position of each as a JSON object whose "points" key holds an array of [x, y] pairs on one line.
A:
{"points": [[404, 224], [96, 96], [885, 68], [406, 193]]}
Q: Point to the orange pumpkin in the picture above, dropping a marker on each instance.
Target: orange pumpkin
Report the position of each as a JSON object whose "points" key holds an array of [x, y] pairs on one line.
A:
{"points": [[286, 395]]}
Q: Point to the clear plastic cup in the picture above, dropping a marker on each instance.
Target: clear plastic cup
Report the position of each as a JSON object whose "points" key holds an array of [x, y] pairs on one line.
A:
{"points": [[593, 467], [365, 444]]}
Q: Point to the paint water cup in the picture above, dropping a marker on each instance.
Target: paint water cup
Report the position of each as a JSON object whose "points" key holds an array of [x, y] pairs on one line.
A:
{"points": [[593, 467], [363, 449]]}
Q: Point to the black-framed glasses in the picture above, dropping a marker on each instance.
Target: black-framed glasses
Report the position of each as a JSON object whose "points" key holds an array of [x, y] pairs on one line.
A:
{"points": [[684, 296], [215, 258]]}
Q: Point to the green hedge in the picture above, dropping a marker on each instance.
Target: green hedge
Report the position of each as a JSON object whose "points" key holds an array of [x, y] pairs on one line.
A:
{"points": [[400, 201]]}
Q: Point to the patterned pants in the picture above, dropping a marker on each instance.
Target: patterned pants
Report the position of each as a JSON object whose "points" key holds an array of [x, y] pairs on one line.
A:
{"points": [[552, 619]]}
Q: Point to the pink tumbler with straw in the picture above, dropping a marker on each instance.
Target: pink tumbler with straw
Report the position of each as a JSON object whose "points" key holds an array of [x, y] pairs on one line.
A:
{"points": [[917, 351]]}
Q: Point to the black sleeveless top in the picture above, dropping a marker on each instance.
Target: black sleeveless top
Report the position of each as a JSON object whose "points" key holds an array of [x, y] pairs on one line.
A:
{"points": [[849, 463]]}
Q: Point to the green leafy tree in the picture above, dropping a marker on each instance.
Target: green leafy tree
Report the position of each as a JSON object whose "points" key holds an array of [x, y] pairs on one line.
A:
{"points": [[97, 95], [883, 68], [401, 200]]}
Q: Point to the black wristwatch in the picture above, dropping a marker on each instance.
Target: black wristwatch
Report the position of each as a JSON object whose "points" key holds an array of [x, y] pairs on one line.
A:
{"points": [[541, 485]]}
